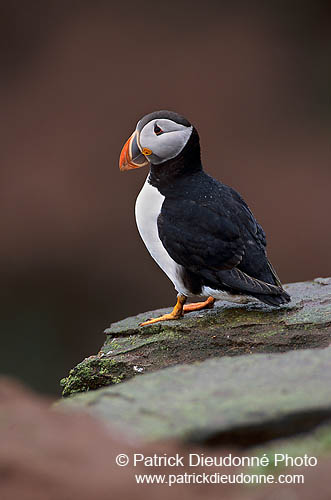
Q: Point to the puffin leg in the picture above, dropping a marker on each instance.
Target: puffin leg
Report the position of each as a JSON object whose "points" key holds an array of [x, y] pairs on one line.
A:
{"points": [[176, 313], [197, 306]]}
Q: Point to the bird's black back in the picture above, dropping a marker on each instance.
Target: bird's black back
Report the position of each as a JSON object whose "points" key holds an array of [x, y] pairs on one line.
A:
{"points": [[207, 228]]}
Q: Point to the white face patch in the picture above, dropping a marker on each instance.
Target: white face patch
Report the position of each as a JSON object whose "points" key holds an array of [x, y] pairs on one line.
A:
{"points": [[167, 144]]}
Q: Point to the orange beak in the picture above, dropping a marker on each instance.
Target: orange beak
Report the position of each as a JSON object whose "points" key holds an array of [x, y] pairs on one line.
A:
{"points": [[131, 156]]}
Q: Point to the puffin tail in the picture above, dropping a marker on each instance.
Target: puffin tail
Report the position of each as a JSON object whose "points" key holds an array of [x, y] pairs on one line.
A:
{"points": [[240, 282], [274, 300]]}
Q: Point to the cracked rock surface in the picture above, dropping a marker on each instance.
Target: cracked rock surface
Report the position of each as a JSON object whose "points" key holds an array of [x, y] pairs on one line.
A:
{"points": [[239, 401]]}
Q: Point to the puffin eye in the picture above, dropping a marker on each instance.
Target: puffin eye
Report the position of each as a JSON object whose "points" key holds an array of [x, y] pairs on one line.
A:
{"points": [[157, 130]]}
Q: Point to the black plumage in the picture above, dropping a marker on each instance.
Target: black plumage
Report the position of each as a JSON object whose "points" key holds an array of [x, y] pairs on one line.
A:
{"points": [[206, 227]]}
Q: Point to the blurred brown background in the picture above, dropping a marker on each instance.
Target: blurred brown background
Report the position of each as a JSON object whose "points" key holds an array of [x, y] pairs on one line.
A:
{"points": [[75, 76]]}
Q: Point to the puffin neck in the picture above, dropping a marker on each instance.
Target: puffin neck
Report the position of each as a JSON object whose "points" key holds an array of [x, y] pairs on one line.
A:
{"points": [[186, 163]]}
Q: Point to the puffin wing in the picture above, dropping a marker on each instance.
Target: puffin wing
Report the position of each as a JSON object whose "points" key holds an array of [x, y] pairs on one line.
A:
{"points": [[259, 238], [211, 240], [197, 237]]}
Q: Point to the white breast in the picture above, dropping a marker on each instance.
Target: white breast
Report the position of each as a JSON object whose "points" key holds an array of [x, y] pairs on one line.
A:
{"points": [[148, 207]]}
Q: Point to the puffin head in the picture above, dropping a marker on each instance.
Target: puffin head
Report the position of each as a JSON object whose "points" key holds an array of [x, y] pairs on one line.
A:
{"points": [[159, 137]]}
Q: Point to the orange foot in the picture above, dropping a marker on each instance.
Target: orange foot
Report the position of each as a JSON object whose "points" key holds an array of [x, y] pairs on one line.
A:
{"points": [[179, 310], [176, 313], [197, 306]]}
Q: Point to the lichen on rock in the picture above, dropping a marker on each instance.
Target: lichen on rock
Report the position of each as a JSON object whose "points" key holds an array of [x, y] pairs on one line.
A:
{"points": [[94, 372]]}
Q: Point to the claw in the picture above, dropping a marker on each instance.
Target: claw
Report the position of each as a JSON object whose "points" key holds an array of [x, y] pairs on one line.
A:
{"points": [[197, 306], [165, 317], [176, 313]]}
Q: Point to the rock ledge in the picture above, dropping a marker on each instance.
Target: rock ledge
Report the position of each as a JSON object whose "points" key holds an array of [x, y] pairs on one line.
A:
{"points": [[230, 329]]}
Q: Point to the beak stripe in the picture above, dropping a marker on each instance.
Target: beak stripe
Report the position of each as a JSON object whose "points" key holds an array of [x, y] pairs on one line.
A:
{"points": [[131, 156]]}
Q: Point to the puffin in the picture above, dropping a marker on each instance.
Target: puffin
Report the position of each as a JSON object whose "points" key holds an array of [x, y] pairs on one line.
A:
{"points": [[200, 231]]}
